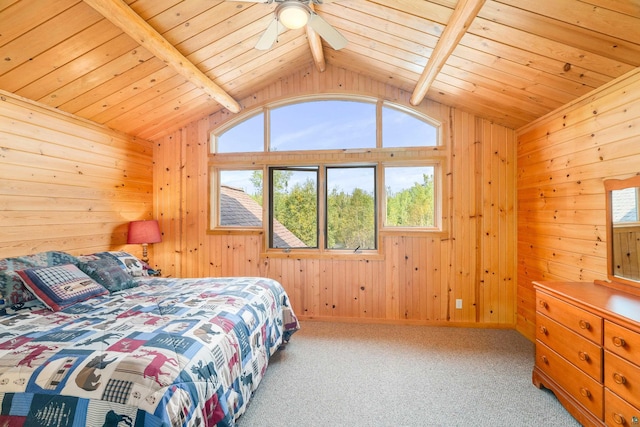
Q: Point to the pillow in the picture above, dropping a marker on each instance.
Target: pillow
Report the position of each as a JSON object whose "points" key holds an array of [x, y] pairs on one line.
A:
{"points": [[12, 290], [108, 273], [60, 286], [125, 260]]}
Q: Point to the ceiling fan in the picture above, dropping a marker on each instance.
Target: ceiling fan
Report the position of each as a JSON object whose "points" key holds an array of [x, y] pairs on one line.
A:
{"points": [[294, 14]]}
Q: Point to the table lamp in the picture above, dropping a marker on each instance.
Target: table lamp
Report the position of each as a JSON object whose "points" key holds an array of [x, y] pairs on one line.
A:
{"points": [[144, 232]]}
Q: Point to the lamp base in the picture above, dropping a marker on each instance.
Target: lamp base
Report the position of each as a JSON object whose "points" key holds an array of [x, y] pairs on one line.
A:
{"points": [[145, 256]]}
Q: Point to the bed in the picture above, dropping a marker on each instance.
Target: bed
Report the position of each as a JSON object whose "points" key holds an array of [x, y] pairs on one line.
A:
{"points": [[96, 341]]}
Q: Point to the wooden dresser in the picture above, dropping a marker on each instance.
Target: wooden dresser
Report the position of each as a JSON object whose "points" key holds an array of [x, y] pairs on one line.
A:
{"points": [[588, 351]]}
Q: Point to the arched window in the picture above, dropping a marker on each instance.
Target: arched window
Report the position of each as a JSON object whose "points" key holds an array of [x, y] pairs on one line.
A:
{"points": [[327, 174]]}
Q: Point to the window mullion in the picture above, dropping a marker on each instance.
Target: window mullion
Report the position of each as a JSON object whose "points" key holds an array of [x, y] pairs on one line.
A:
{"points": [[266, 207], [379, 141], [267, 129], [322, 208], [270, 208]]}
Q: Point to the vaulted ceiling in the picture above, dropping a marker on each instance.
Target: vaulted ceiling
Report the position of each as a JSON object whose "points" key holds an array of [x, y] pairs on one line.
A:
{"points": [[134, 65]]}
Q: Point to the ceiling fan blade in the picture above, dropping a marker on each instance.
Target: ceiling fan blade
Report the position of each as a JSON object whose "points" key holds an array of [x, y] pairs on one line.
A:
{"points": [[253, 1], [269, 36], [327, 32]]}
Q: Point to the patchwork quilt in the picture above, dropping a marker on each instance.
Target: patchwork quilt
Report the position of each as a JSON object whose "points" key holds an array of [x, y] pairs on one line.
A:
{"points": [[168, 352]]}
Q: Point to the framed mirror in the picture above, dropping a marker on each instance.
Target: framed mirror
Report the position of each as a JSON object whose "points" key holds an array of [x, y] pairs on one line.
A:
{"points": [[623, 231]]}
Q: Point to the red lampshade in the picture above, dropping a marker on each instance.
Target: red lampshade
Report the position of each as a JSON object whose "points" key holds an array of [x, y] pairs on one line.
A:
{"points": [[144, 232]]}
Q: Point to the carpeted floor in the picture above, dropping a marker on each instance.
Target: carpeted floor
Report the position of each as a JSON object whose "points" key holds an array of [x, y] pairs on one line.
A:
{"points": [[337, 374]]}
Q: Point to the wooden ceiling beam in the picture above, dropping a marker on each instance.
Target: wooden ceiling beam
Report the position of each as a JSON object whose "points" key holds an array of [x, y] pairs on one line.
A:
{"points": [[464, 13], [133, 25], [315, 43]]}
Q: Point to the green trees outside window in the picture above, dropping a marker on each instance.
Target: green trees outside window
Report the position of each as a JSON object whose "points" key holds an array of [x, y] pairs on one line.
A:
{"points": [[351, 212], [294, 204], [410, 203]]}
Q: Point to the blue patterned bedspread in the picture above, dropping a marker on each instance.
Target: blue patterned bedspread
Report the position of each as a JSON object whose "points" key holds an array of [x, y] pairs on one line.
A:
{"points": [[171, 352]]}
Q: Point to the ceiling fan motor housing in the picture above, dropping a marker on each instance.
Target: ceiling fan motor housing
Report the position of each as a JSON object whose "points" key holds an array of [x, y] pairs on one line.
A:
{"points": [[293, 14]]}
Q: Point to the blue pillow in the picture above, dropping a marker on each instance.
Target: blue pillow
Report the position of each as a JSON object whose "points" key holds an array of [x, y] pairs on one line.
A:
{"points": [[108, 273], [60, 286], [12, 290], [129, 263]]}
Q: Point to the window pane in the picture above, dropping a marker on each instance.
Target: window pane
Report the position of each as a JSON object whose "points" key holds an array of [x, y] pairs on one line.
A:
{"points": [[241, 198], [294, 210], [247, 136], [351, 208], [323, 125], [400, 129], [410, 196]]}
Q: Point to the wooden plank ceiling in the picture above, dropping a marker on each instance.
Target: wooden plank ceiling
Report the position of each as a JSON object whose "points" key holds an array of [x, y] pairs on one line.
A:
{"points": [[516, 61]]}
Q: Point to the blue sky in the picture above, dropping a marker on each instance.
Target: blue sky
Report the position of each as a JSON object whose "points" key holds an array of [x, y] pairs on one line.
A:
{"points": [[323, 125]]}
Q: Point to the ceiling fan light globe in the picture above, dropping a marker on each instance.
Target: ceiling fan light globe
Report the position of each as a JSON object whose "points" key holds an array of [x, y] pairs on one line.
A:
{"points": [[292, 16]]}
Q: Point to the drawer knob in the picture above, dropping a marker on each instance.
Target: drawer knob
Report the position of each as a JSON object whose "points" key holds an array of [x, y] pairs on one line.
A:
{"points": [[584, 324], [618, 419], [619, 342], [544, 304], [544, 330], [583, 356], [584, 392], [619, 378], [545, 360]]}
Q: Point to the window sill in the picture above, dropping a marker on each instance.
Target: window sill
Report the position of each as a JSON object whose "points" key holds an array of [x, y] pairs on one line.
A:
{"points": [[410, 232], [315, 254], [236, 231]]}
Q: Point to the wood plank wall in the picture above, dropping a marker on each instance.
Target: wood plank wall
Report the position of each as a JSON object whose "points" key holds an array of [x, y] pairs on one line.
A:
{"points": [[419, 277], [563, 159], [626, 246], [68, 184]]}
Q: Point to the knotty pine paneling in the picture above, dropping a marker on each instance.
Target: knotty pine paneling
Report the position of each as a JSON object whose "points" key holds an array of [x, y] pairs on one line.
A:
{"points": [[563, 160], [67, 184], [626, 244], [418, 278]]}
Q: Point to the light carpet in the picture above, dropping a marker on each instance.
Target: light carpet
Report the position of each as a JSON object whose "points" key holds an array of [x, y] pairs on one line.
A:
{"points": [[342, 374]]}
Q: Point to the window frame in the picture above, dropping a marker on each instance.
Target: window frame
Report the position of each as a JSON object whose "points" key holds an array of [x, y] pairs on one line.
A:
{"points": [[214, 135], [270, 216], [380, 157], [414, 114], [215, 182], [437, 196], [376, 202]]}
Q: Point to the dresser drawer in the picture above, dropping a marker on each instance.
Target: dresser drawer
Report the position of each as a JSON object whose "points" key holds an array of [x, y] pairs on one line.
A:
{"points": [[581, 386], [622, 377], [622, 341], [580, 321], [617, 412], [578, 350]]}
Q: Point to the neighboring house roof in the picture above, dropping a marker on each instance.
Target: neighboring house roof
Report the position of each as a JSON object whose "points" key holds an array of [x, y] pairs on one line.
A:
{"points": [[238, 209], [625, 205]]}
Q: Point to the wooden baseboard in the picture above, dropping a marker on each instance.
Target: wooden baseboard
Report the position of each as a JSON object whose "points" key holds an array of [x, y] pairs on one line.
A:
{"points": [[369, 320]]}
